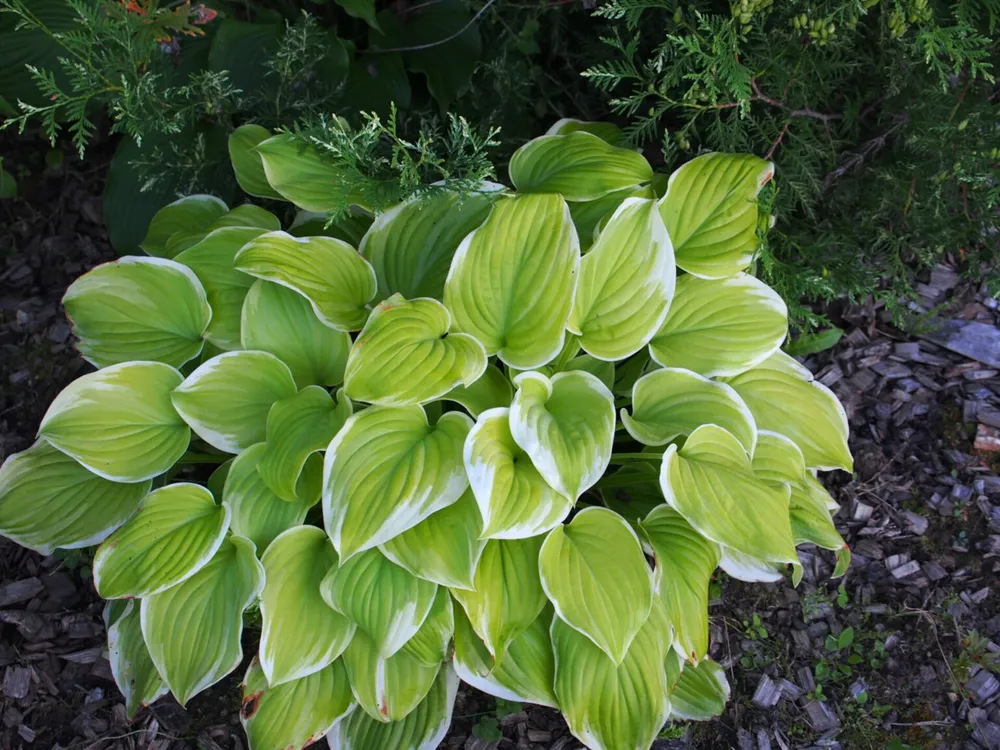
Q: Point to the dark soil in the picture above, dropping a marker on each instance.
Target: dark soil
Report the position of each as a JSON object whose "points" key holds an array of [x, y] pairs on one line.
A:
{"points": [[921, 516]]}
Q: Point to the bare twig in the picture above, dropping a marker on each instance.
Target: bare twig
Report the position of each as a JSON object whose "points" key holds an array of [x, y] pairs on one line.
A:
{"points": [[804, 112], [777, 142]]}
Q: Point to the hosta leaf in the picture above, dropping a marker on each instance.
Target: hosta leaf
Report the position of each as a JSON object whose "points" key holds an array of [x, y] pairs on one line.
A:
{"points": [[212, 261], [405, 355], [411, 245], [387, 688], [131, 666], [700, 693], [247, 163], [227, 399], [784, 398], [580, 166], [525, 675], [514, 500], [594, 573], [607, 706], [721, 327], [751, 569], [193, 630], [119, 422], [175, 533], [606, 131], [300, 634], [259, 514], [566, 425], [48, 500], [685, 561], [350, 228], [282, 322], [777, 460], [670, 402], [710, 483], [138, 308], [329, 273], [296, 171], [193, 213], [710, 210], [626, 283], [599, 368], [511, 281], [387, 470], [490, 391], [634, 490], [422, 729], [507, 593], [246, 216], [429, 645], [297, 427], [444, 547], [296, 713], [385, 601], [588, 215]]}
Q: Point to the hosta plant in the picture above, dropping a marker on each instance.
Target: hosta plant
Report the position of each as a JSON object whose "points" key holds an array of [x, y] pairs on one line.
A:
{"points": [[505, 438]]}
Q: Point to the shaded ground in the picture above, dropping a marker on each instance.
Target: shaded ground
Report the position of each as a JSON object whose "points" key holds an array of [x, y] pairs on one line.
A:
{"points": [[893, 659]]}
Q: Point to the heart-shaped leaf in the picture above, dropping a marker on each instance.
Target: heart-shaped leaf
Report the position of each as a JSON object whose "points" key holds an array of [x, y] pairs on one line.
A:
{"points": [[128, 656], [226, 400], [301, 634], [193, 213], [606, 131], [296, 171], [566, 425], [175, 533], [48, 500], [700, 692], [138, 309], [406, 355], [512, 280], [626, 283], [721, 327], [430, 645], [594, 573], [514, 500], [119, 422], [247, 163], [490, 391], [193, 630], [387, 470], [329, 273]]}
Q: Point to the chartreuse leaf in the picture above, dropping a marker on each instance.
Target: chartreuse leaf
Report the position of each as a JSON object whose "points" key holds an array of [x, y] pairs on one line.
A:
{"points": [[422, 729], [748, 568], [710, 482], [175, 533], [685, 561], [247, 163], [720, 327], [514, 500], [512, 280], [193, 629], [407, 355], [599, 368], [226, 400], [387, 688], [507, 593], [297, 427], [387, 470], [212, 261], [247, 216], [193, 213], [700, 692], [606, 131], [670, 402], [588, 215], [385, 601], [296, 171], [710, 210], [784, 398], [609, 706], [444, 547], [429, 645], [301, 634], [259, 514], [282, 322], [138, 309], [48, 500], [580, 166], [490, 391], [329, 273], [350, 228], [626, 283], [295, 713], [131, 666], [411, 245], [566, 425], [525, 675], [594, 573], [119, 422]]}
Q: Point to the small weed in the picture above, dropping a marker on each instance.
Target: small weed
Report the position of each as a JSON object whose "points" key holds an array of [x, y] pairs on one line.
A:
{"points": [[488, 727], [754, 628]]}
